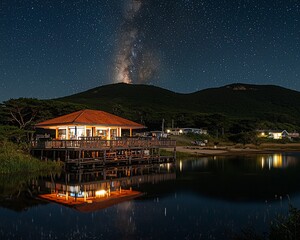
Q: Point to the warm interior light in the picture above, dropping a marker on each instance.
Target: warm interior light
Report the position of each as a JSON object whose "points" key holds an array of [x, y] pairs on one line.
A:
{"points": [[101, 193]]}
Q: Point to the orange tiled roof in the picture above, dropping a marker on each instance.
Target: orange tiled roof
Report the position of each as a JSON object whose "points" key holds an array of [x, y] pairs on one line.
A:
{"points": [[90, 117]]}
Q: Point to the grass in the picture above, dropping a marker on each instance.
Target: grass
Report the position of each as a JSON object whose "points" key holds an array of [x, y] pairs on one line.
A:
{"points": [[181, 140], [164, 152], [280, 146], [286, 227], [14, 160]]}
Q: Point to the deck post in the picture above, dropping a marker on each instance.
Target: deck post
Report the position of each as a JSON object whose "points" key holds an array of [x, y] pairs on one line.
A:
{"points": [[79, 176], [159, 155], [174, 155], [104, 157], [126, 151], [104, 174], [129, 156]]}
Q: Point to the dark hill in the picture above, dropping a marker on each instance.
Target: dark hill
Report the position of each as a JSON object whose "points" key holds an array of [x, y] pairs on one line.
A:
{"points": [[134, 96], [243, 100], [236, 101]]}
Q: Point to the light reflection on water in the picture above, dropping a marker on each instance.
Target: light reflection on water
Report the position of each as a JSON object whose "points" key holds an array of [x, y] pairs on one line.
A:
{"points": [[277, 161], [269, 161], [209, 198]]}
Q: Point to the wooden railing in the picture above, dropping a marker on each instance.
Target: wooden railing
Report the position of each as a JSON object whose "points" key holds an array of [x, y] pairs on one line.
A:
{"points": [[103, 144]]}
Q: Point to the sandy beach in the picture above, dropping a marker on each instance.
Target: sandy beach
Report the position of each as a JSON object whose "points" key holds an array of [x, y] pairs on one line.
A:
{"points": [[238, 149]]}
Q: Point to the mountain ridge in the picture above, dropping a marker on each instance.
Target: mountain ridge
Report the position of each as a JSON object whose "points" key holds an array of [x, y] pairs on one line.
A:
{"points": [[151, 103]]}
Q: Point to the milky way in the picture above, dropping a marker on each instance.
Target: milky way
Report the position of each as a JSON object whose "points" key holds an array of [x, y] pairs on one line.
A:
{"points": [[52, 49], [134, 62]]}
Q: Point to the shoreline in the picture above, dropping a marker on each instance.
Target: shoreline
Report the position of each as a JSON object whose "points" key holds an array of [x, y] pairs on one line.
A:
{"points": [[235, 150]]}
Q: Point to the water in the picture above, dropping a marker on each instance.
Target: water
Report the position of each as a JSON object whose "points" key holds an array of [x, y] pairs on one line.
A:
{"points": [[204, 198]]}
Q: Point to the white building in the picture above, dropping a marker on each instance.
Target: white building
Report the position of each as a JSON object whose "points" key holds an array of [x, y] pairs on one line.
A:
{"points": [[179, 131]]}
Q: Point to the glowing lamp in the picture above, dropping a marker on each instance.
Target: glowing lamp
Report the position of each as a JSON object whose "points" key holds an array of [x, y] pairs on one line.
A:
{"points": [[101, 193]]}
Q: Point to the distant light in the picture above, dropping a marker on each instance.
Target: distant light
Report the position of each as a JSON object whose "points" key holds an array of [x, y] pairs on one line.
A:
{"points": [[277, 161], [262, 162], [180, 166]]}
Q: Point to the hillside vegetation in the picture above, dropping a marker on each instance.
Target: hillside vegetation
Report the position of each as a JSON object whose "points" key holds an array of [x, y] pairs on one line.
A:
{"points": [[265, 106], [231, 112]]}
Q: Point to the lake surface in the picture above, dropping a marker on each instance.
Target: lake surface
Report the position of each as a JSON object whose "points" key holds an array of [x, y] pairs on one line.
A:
{"points": [[204, 198]]}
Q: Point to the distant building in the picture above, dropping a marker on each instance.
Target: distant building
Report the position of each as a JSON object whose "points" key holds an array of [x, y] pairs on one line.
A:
{"points": [[194, 130], [159, 134], [276, 134], [179, 131], [152, 134], [294, 135]]}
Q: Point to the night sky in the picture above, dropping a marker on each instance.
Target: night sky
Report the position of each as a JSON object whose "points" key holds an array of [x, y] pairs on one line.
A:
{"points": [[53, 48]]}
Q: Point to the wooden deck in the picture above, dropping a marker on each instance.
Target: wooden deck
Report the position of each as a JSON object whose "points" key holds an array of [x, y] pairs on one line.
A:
{"points": [[93, 153], [102, 144]]}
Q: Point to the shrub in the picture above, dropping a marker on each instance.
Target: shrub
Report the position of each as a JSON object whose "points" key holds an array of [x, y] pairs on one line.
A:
{"points": [[286, 227], [13, 159]]}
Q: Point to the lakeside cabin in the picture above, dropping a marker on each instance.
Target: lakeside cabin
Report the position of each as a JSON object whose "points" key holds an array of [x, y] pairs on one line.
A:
{"points": [[92, 138], [89, 123]]}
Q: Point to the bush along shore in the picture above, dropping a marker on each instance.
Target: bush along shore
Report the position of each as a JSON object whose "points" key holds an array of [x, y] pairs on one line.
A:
{"points": [[14, 160], [283, 227]]}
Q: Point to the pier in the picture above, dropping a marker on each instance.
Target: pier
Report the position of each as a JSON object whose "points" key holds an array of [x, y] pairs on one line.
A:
{"points": [[92, 153], [90, 139]]}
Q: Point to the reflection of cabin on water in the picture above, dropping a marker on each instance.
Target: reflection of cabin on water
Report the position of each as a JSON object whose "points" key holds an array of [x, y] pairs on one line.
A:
{"points": [[92, 191], [91, 135]]}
